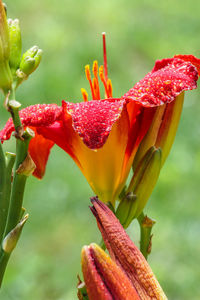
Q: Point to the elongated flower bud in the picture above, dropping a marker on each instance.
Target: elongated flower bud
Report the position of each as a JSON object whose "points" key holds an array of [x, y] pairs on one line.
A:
{"points": [[103, 278], [141, 187], [124, 252], [163, 130], [168, 128], [15, 44], [5, 74]]}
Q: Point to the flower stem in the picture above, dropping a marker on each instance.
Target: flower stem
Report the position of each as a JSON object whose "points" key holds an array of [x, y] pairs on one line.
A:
{"points": [[146, 225], [19, 182], [2, 190], [4, 257], [13, 195], [5, 200]]}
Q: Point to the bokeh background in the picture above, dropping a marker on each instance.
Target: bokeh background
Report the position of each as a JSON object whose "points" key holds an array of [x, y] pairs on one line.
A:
{"points": [[46, 261]]}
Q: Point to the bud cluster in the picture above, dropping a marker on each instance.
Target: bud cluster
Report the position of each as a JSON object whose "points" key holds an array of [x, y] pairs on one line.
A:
{"points": [[15, 67]]}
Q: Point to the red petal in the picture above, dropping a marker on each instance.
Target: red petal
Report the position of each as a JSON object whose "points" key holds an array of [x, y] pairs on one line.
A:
{"points": [[36, 116], [164, 83], [39, 149], [194, 60], [93, 120]]}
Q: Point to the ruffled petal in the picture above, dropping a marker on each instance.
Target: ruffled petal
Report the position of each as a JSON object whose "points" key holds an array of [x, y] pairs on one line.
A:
{"points": [[93, 120], [193, 59], [35, 116], [169, 78]]}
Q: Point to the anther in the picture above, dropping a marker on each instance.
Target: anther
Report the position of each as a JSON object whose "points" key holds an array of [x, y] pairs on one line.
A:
{"points": [[84, 94], [88, 76], [109, 88], [87, 72], [95, 80]]}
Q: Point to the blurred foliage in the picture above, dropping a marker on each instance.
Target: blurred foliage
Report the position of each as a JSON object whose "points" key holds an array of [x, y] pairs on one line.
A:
{"points": [[47, 258]]}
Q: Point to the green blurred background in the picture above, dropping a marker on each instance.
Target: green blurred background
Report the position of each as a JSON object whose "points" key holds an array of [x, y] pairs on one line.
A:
{"points": [[46, 261]]}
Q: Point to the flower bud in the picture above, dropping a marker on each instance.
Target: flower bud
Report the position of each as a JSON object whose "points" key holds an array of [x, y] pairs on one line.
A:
{"points": [[141, 187], [147, 179], [5, 74], [103, 278], [15, 44], [122, 251], [30, 61]]}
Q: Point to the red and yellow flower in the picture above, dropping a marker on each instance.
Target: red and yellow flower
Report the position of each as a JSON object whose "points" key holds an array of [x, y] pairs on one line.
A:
{"points": [[103, 136]]}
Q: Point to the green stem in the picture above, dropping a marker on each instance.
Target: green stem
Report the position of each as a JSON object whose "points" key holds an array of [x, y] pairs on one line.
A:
{"points": [[146, 225], [18, 185], [4, 204], [2, 189], [4, 257]]}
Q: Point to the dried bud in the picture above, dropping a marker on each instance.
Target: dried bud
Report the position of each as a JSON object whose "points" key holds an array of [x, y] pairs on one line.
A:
{"points": [[27, 167], [11, 239]]}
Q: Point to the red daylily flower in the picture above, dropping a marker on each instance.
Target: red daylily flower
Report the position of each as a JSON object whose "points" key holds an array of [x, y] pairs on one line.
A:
{"points": [[102, 275], [103, 136]]}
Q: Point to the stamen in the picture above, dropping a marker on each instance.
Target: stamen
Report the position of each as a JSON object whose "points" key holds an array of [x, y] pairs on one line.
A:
{"points": [[84, 94], [88, 76], [87, 72], [105, 56], [95, 80], [101, 75], [109, 87]]}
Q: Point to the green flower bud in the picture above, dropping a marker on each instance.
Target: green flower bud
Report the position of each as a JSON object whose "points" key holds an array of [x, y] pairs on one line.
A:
{"points": [[126, 209], [148, 178], [141, 187], [5, 74], [15, 44], [30, 60]]}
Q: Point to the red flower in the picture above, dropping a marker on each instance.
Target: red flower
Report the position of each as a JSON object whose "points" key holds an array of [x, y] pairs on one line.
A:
{"points": [[103, 136]]}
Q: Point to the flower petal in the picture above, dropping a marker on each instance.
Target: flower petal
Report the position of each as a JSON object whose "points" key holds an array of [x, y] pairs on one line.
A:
{"points": [[93, 120], [164, 83], [103, 278], [194, 60], [35, 116], [39, 149], [125, 253]]}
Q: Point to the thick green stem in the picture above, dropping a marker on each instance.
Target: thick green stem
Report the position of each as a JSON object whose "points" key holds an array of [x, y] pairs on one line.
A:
{"points": [[5, 200], [18, 185], [4, 257], [146, 225], [2, 189]]}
